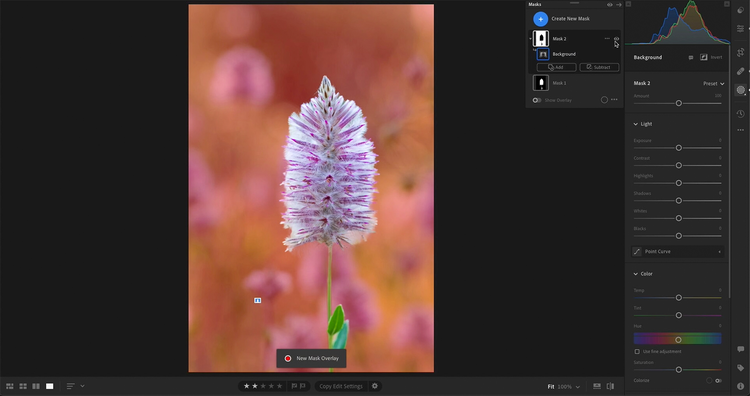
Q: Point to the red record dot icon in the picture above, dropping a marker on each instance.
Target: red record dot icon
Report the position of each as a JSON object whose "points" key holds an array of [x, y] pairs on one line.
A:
{"points": [[287, 358]]}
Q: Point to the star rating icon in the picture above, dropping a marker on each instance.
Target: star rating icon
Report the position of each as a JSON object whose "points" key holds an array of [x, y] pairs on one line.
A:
{"points": [[279, 385], [247, 385], [255, 386]]}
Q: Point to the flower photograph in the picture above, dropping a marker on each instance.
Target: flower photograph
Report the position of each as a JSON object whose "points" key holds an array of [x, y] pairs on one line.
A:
{"points": [[311, 186]]}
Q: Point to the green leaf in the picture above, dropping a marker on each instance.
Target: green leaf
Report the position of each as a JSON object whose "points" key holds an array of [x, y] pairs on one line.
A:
{"points": [[336, 322], [340, 341]]}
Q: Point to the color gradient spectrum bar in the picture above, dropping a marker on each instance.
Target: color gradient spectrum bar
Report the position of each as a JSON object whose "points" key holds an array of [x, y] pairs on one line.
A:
{"points": [[677, 338]]}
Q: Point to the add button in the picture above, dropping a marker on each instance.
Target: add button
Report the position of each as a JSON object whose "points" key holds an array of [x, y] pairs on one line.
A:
{"points": [[555, 67]]}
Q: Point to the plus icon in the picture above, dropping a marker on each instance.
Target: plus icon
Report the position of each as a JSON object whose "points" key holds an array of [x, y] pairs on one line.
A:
{"points": [[540, 19]]}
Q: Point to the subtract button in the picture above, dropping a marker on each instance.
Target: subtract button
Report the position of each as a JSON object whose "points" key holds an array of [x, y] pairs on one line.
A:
{"points": [[600, 67]]}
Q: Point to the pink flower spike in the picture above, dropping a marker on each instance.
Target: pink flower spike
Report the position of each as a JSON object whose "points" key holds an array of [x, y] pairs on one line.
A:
{"points": [[268, 283], [416, 70], [242, 74], [200, 179], [415, 327], [330, 175], [203, 198]]}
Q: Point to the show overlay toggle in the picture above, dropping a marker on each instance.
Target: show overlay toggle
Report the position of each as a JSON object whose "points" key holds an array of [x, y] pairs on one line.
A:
{"points": [[311, 358]]}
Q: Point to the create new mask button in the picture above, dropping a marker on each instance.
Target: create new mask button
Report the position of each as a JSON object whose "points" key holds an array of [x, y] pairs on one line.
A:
{"points": [[311, 358], [555, 67]]}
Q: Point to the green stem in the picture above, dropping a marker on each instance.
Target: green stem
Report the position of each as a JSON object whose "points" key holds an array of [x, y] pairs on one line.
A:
{"points": [[330, 258]]}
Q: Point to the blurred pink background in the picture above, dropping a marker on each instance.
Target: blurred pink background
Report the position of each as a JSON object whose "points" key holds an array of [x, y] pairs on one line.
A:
{"points": [[250, 68]]}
